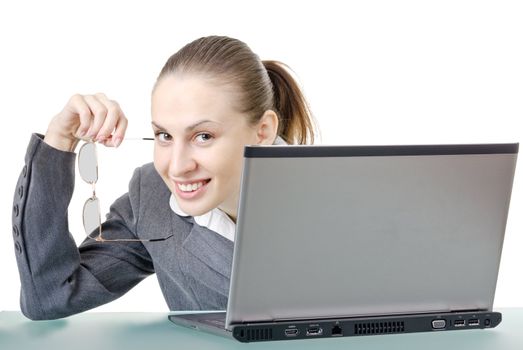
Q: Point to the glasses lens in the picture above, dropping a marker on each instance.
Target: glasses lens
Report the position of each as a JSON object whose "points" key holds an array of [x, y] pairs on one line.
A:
{"points": [[88, 163], [92, 217]]}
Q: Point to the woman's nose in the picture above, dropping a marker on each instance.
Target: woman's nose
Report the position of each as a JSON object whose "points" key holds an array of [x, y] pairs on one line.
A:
{"points": [[181, 162]]}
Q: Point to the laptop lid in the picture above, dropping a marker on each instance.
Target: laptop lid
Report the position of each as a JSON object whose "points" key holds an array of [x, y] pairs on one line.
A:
{"points": [[339, 231]]}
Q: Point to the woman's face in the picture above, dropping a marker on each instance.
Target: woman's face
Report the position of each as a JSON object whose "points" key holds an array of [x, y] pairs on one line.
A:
{"points": [[199, 143]]}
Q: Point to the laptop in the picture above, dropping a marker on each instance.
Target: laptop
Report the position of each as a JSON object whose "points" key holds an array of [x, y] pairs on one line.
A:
{"points": [[336, 241]]}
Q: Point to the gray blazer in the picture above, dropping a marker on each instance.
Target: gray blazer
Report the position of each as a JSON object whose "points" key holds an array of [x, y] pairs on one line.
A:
{"points": [[60, 279]]}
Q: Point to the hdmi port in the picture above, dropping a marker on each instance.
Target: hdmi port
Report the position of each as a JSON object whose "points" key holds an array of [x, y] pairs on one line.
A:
{"points": [[314, 331], [291, 332]]}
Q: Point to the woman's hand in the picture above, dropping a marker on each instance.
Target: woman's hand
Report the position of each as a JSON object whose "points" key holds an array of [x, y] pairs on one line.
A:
{"points": [[93, 117]]}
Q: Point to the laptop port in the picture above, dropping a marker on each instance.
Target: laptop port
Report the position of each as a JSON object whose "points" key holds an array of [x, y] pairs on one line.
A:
{"points": [[459, 323], [336, 330], [314, 331], [292, 332], [439, 324], [474, 322]]}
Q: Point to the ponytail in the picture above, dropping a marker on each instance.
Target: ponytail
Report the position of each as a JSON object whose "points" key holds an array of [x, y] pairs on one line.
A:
{"points": [[296, 120]]}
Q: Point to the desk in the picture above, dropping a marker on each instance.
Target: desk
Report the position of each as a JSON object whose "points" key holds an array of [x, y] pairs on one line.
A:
{"points": [[148, 331]]}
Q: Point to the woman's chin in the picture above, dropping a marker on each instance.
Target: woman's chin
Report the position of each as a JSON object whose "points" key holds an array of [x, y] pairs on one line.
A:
{"points": [[193, 209]]}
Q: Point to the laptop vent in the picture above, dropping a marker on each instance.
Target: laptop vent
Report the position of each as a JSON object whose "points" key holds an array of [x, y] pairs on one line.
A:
{"points": [[379, 327], [257, 334]]}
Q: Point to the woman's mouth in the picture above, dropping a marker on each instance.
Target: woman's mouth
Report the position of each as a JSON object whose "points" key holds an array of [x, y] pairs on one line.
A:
{"points": [[191, 190]]}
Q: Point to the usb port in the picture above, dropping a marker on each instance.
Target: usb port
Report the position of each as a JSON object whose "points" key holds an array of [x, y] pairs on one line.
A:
{"points": [[292, 332], [474, 322], [459, 323], [314, 331]]}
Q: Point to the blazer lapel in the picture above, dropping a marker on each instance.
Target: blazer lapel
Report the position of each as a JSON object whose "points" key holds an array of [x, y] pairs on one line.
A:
{"points": [[210, 248], [211, 258]]}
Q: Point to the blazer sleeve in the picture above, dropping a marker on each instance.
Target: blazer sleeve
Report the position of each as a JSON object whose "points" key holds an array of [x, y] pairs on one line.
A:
{"points": [[58, 278]]}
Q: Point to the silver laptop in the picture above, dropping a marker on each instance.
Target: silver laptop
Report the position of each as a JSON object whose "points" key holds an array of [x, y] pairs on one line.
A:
{"points": [[359, 240]]}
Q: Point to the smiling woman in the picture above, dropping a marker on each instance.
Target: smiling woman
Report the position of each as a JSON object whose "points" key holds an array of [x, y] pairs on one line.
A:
{"points": [[212, 98], [200, 142]]}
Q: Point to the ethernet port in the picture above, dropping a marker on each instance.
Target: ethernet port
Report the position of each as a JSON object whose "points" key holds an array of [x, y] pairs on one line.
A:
{"points": [[336, 331]]}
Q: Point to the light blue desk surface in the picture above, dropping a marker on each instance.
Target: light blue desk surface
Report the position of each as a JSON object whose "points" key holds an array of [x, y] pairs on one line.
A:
{"points": [[147, 331]]}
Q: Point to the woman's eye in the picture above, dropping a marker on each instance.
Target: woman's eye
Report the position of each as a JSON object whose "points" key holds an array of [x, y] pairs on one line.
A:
{"points": [[163, 136], [203, 137]]}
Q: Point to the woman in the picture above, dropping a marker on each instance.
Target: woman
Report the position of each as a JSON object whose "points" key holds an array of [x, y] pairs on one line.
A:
{"points": [[212, 98]]}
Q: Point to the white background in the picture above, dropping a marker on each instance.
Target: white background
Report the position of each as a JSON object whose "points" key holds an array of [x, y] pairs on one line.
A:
{"points": [[375, 72]]}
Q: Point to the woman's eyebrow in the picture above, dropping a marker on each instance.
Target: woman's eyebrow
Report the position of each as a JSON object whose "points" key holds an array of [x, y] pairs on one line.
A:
{"points": [[190, 127], [157, 126]]}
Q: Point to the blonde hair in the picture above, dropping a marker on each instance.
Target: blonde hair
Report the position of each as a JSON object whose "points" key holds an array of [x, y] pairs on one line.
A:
{"points": [[262, 85]]}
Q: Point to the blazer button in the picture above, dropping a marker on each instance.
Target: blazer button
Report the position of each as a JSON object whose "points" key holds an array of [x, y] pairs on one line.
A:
{"points": [[24, 170], [15, 209], [18, 248], [21, 191], [15, 231]]}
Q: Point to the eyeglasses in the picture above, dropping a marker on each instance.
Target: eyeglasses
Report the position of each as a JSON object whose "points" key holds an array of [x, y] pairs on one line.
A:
{"points": [[88, 169]]}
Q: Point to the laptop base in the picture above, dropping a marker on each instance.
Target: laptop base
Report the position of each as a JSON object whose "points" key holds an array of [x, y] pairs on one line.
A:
{"points": [[340, 327]]}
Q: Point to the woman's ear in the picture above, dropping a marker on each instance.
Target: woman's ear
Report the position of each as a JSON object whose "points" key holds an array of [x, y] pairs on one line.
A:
{"points": [[267, 128]]}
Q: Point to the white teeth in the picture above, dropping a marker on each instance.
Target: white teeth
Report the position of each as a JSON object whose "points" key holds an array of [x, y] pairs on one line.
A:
{"points": [[190, 187]]}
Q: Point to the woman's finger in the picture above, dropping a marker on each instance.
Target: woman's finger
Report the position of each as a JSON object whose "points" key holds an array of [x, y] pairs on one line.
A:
{"points": [[114, 115], [119, 133], [78, 106], [99, 111]]}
